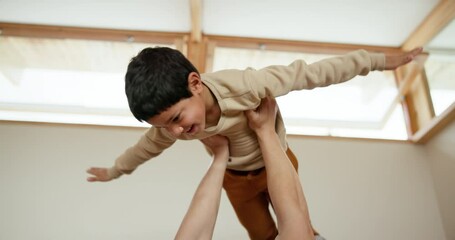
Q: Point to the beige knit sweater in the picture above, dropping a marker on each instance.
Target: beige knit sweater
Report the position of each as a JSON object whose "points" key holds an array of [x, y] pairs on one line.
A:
{"points": [[240, 90]]}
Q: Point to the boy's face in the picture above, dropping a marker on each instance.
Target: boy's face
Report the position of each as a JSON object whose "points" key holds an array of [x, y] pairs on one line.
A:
{"points": [[186, 116]]}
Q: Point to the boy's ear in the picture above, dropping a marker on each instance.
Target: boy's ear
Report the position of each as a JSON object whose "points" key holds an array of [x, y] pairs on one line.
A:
{"points": [[194, 82]]}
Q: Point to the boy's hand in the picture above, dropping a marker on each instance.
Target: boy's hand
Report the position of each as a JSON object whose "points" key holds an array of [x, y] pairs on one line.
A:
{"points": [[264, 116], [217, 144], [99, 175], [393, 62]]}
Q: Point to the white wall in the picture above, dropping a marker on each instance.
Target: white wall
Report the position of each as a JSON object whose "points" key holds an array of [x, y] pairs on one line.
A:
{"points": [[355, 189], [441, 158], [368, 189]]}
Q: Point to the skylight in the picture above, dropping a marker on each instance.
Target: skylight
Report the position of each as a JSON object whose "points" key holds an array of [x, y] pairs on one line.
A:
{"points": [[440, 71], [362, 107], [82, 82], [69, 81]]}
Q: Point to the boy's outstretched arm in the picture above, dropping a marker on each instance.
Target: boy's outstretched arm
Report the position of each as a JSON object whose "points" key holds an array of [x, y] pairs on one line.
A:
{"points": [[283, 182], [394, 61], [199, 221], [149, 146]]}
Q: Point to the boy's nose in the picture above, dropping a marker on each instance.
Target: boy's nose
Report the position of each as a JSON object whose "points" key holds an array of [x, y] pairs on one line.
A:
{"points": [[175, 130]]}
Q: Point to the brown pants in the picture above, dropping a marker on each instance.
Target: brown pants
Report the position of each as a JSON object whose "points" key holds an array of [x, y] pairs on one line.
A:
{"points": [[248, 194]]}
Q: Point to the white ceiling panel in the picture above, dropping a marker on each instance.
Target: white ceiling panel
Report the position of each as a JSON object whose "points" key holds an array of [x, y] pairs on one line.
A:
{"points": [[445, 39], [370, 22], [151, 15]]}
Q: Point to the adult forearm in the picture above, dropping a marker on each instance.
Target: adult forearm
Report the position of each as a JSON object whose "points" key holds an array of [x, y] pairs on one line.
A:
{"points": [[284, 185], [199, 221]]}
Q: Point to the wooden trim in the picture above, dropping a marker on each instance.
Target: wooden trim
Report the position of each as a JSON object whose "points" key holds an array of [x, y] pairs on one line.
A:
{"points": [[413, 127], [408, 112], [439, 17], [289, 45], [42, 31], [76, 125], [436, 125], [338, 138]]}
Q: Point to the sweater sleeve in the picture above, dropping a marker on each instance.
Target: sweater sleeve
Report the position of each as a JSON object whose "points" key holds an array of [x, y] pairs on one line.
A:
{"points": [[150, 145], [280, 80]]}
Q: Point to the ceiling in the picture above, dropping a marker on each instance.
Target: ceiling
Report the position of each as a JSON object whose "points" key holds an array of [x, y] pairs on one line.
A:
{"points": [[364, 22]]}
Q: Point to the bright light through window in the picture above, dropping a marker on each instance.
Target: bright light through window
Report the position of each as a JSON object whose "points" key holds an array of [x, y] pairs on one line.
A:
{"points": [[82, 81], [363, 107], [65, 80], [440, 70]]}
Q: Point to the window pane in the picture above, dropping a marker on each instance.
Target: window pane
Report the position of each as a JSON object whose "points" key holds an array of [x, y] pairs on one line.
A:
{"points": [[363, 107], [440, 70], [65, 80]]}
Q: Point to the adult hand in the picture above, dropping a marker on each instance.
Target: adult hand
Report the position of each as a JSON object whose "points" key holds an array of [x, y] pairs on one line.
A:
{"points": [[264, 116], [217, 144]]}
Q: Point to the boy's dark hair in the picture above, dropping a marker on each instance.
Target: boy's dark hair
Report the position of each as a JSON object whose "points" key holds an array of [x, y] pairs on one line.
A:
{"points": [[156, 79]]}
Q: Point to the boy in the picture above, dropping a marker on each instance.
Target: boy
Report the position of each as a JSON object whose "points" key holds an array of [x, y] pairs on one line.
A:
{"points": [[164, 89]]}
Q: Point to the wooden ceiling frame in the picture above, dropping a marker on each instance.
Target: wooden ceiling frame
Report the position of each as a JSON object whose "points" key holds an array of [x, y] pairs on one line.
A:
{"points": [[413, 83], [199, 48]]}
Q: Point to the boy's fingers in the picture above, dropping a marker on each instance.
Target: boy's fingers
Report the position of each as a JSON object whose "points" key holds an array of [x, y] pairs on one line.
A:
{"points": [[416, 51], [93, 170], [93, 179], [412, 54]]}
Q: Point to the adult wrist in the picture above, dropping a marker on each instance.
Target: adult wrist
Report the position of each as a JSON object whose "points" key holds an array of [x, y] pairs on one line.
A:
{"points": [[265, 133]]}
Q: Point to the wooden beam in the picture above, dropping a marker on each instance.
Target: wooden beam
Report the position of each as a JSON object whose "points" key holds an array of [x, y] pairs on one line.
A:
{"points": [[414, 94], [43, 31], [196, 22], [301, 46], [197, 54], [435, 126], [439, 17], [196, 46]]}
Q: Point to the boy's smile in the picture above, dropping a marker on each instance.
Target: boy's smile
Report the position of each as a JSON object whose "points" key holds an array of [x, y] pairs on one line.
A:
{"points": [[186, 116]]}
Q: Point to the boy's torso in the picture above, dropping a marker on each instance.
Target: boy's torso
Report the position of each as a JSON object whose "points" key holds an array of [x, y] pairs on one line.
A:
{"points": [[245, 153]]}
